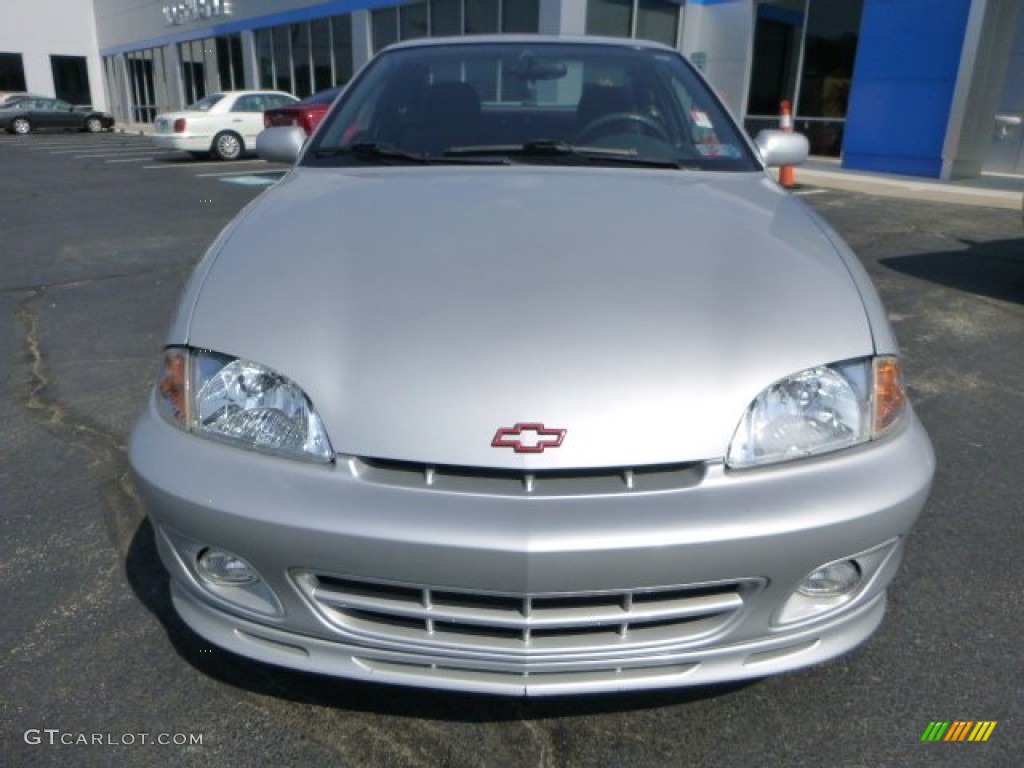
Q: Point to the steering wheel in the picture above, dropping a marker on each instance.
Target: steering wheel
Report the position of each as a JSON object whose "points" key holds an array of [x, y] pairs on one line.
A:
{"points": [[628, 119]]}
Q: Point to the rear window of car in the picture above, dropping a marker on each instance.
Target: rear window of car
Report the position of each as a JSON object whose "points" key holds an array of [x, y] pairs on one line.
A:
{"points": [[206, 103], [280, 100]]}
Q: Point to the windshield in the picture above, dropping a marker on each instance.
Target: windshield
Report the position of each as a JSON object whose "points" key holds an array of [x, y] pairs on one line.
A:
{"points": [[534, 101]]}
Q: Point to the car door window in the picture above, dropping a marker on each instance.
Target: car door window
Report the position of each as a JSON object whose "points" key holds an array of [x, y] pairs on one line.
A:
{"points": [[248, 104]]}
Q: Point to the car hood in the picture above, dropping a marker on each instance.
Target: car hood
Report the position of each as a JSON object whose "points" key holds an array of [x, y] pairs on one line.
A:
{"points": [[422, 309]]}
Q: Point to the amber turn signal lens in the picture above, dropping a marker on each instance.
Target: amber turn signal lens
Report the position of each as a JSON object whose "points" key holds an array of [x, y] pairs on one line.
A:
{"points": [[172, 383], [890, 398]]}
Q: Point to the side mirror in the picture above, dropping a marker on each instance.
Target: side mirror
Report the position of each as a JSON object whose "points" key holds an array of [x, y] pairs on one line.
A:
{"points": [[780, 148], [282, 144]]}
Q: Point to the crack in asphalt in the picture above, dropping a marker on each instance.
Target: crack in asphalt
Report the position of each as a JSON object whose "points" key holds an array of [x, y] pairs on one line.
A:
{"points": [[541, 738], [38, 288], [108, 459]]}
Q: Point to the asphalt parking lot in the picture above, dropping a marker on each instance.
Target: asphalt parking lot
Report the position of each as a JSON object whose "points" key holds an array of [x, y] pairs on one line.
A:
{"points": [[97, 236]]}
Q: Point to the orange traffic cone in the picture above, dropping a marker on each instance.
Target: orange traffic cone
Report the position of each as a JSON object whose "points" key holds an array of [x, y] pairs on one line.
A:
{"points": [[786, 177]]}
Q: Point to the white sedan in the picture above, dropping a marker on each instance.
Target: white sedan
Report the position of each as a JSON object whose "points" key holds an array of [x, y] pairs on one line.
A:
{"points": [[222, 124]]}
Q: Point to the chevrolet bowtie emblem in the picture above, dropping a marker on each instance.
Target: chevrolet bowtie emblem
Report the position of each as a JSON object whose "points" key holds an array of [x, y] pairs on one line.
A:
{"points": [[528, 438]]}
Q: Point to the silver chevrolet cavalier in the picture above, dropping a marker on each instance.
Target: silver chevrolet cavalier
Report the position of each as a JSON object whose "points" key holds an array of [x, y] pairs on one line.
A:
{"points": [[527, 379]]}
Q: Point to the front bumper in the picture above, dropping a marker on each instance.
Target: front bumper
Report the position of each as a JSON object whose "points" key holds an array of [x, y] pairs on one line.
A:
{"points": [[367, 575]]}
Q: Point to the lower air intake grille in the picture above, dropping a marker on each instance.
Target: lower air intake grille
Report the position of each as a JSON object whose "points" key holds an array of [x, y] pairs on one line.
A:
{"points": [[525, 624]]}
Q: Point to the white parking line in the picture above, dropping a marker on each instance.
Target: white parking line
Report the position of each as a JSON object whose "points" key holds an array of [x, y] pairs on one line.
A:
{"points": [[239, 173], [132, 160], [81, 149], [251, 181], [55, 147], [125, 152], [72, 138], [192, 164]]}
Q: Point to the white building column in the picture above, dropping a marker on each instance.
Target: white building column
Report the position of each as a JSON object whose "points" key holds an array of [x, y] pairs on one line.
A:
{"points": [[719, 39], [250, 66], [562, 17], [175, 88], [991, 27]]}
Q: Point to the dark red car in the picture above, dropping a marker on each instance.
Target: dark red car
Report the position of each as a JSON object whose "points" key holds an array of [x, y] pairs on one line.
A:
{"points": [[306, 113]]}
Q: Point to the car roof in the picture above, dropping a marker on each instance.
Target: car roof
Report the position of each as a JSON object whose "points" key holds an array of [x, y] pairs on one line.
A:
{"points": [[257, 90]]}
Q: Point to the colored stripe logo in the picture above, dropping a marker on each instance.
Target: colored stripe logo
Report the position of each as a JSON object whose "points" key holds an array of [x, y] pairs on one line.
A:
{"points": [[958, 730]]}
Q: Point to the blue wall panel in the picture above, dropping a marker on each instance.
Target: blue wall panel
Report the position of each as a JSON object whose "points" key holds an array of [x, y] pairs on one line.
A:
{"points": [[903, 84]]}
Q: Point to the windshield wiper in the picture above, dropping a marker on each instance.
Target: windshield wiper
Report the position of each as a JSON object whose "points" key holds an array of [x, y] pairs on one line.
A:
{"points": [[389, 153], [373, 151], [561, 150]]}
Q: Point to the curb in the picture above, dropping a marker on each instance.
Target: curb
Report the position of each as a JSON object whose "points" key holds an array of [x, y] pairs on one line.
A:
{"points": [[913, 189]]}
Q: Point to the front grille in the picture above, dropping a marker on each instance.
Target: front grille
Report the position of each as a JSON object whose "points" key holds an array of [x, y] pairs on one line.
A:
{"points": [[525, 624], [507, 482]]}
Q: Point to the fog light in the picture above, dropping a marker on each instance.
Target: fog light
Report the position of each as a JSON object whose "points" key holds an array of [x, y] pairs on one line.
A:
{"points": [[225, 569], [832, 580]]}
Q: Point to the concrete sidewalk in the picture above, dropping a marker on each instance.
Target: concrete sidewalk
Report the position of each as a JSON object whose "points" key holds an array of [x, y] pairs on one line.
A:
{"points": [[988, 190]]}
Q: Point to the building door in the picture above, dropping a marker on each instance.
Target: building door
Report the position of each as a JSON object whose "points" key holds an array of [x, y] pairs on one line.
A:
{"points": [[804, 52], [778, 36]]}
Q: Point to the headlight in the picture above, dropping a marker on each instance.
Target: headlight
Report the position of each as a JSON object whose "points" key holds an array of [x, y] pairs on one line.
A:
{"points": [[241, 401], [819, 410]]}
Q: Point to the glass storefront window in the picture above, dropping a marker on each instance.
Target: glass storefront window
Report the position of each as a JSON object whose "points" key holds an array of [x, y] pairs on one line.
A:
{"points": [[440, 18], [829, 49], [229, 62], [804, 52], [413, 21], [445, 17], [320, 45], [341, 42], [301, 60], [385, 27], [306, 57], [642, 19], [481, 17], [610, 18], [282, 59], [657, 20], [143, 89], [777, 37], [193, 70], [140, 73], [520, 16], [265, 58]]}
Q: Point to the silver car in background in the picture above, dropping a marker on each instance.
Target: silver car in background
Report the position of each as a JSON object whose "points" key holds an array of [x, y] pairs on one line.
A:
{"points": [[528, 380]]}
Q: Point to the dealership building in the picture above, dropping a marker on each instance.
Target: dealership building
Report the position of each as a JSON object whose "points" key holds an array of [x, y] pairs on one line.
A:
{"points": [[931, 88]]}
